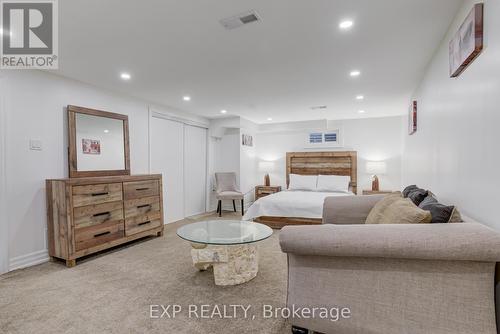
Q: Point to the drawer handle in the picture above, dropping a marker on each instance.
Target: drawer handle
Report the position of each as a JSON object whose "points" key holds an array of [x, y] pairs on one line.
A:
{"points": [[100, 194], [141, 189], [107, 215], [144, 206], [102, 214], [101, 234], [145, 223]]}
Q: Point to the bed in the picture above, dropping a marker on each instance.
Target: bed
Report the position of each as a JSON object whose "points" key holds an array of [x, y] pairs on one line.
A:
{"points": [[304, 207]]}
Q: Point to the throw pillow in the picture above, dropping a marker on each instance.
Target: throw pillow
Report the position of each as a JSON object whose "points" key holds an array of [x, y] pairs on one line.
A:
{"points": [[408, 190], [396, 210], [417, 196], [456, 217], [440, 213]]}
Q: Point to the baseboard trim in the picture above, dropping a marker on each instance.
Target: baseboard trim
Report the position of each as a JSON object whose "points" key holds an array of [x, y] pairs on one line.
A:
{"points": [[28, 260]]}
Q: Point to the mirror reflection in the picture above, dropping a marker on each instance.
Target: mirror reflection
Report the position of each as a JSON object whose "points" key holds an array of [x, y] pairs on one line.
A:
{"points": [[100, 143]]}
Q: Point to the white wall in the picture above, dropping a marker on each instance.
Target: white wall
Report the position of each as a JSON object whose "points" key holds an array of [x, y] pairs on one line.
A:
{"points": [[455, 150], [248, 166], [4, 228], [35, 105], [229, 155], [226, 158], [373, 138]]}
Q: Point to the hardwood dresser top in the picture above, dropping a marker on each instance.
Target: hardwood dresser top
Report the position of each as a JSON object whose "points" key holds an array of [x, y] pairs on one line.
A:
{"points": [[108, 179]]}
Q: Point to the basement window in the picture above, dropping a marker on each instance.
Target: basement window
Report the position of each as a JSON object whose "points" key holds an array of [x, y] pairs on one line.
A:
{"points": [[329, 138], [316, 138]]}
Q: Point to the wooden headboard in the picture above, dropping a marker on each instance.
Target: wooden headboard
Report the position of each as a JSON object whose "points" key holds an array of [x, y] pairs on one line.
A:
{"points": [[324, 163]]}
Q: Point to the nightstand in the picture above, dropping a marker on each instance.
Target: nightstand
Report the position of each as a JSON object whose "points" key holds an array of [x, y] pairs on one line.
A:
{"points": [[261, 191], [376, 192]]}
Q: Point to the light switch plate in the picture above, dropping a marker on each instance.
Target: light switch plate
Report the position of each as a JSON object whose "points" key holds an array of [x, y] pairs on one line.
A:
{"points": [[35, 145]]}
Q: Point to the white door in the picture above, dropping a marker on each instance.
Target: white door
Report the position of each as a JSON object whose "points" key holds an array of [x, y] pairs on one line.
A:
{"points": [[167, 156], [195, 170]]}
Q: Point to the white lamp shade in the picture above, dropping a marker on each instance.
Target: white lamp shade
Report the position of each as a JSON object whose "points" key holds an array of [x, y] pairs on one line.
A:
{"points": [[376, 167], [266, 166]]}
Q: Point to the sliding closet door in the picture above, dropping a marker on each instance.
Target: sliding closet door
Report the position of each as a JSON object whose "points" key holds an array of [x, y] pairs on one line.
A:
{"points": [[195, 170], [167, 156]]}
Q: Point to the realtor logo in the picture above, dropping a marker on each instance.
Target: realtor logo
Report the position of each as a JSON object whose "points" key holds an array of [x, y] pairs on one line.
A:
{"points": [[28, 34]]}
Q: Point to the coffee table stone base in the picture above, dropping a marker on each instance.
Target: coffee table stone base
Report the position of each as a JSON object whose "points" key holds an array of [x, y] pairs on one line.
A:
{"points": [[233, 264]]}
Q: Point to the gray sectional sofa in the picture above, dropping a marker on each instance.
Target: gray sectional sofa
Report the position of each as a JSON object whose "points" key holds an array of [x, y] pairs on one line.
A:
{"points": [[393, 279]]}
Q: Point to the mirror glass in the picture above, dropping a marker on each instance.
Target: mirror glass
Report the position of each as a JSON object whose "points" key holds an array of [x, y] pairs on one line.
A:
{"points": [[100, 143]]}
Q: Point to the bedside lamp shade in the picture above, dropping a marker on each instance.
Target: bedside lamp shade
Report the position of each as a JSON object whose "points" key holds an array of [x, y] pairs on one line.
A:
{"points": [[266, 166], [373, 168], [376, 167]]}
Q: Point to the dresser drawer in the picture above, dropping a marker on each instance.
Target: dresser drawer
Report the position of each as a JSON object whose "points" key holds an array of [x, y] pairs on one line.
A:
{"points": [[91, 236], [97, 194], [96, 214], [142, 223], [141, 206], [133, 190]]}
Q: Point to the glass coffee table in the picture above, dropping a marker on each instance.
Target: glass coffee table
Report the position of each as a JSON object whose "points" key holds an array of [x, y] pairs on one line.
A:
{"points": [[229, 246]]}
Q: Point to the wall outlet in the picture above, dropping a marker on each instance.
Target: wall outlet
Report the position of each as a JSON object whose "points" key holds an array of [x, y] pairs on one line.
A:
{"points": [[35, 145]]}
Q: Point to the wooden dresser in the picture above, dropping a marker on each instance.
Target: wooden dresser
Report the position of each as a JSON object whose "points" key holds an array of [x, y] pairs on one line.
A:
{"points": [[90, 214]]}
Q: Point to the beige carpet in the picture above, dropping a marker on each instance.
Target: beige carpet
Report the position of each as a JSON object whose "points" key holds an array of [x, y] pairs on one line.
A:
{"points": [[111, 292]]}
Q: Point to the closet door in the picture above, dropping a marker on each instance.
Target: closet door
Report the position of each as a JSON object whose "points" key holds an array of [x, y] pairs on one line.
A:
{"points": [[195, 170], [167, 156]]}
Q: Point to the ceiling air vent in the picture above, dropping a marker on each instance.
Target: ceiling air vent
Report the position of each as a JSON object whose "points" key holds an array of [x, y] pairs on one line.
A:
{"points": [[240, 19], [318, 107]]}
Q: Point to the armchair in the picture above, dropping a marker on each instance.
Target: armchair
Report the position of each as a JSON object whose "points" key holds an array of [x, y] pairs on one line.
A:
{"points": [[227, 189]]}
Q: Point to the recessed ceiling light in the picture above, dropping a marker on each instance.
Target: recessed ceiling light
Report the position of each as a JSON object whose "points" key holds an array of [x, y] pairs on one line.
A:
{"points": [[269, 119], [344, 25], [360, 97], [361, 111], [186, 98], [125, 76], [355, 73], [106, 131], [223, 111]]}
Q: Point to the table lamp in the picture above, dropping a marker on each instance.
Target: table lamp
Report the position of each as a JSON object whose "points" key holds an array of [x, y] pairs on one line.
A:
{"points": [[266, 167], [373, 168]]}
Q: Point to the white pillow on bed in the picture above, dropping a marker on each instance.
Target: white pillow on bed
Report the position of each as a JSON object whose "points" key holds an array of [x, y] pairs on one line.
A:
{"points": [[336, 183], [303, 182]]}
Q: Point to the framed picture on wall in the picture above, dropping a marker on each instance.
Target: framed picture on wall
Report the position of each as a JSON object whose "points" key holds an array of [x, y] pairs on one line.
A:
{"points": [[467, 43], [412, 118], [246, 140]]}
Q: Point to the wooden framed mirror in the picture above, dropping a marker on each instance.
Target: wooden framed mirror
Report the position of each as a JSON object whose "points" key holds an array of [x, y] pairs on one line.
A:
{"points": [[98, 143]]}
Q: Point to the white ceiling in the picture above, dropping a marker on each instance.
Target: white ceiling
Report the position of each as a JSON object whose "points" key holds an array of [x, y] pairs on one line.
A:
{"points": [[294, 59]]}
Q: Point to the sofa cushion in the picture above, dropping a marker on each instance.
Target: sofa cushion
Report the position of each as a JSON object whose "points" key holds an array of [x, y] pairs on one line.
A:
{"points": [[393, 209], [440, 213]]}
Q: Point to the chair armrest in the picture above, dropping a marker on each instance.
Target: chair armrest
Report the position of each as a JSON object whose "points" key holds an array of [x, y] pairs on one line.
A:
{"points": [[348, 209], [460, 242]]}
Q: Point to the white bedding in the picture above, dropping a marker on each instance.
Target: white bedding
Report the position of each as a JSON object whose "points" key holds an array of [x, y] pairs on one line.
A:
{"points": [[303, 204]]}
